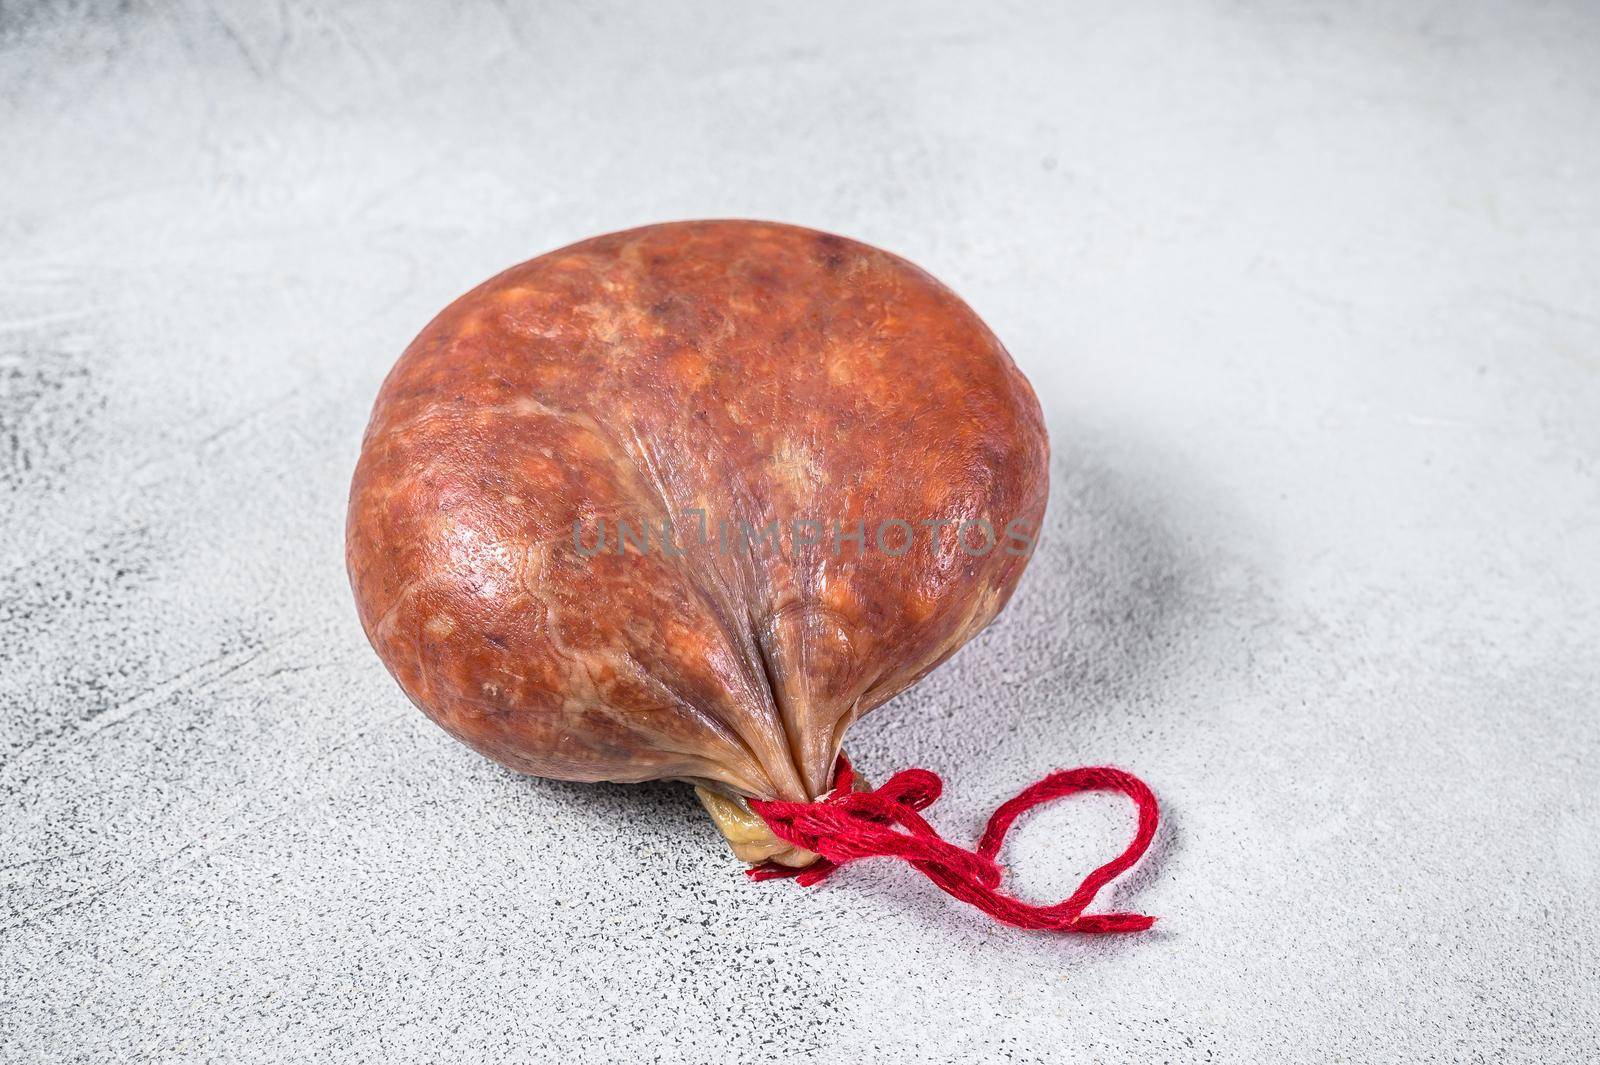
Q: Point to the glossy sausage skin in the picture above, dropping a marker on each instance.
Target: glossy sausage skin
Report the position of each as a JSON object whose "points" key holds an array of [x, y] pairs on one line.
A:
{"points": [[714, 374]]}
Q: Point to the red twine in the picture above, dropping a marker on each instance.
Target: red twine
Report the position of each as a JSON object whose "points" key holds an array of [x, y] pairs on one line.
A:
{"points": [[846, 825]]}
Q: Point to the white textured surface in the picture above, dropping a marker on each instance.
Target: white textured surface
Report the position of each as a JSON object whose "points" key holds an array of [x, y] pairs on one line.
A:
{"points": [[1308, 292]]}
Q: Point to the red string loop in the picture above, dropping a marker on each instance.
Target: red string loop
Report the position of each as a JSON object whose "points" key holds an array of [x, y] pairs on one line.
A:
{"points": [[846, 825]]}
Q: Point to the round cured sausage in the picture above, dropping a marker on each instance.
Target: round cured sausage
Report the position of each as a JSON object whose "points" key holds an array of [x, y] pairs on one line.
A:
{"points": [[686, 501]]}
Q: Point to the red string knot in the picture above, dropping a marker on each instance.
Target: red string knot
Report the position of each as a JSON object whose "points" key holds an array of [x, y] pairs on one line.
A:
{"points": [[847, 825]]}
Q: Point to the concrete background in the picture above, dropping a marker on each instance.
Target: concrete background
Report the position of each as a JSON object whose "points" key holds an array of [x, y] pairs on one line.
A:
{"points": [[1308, 291]]}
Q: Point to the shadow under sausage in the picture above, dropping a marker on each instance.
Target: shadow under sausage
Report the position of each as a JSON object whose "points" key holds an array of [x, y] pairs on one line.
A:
{"points": [[1078, 670]]}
